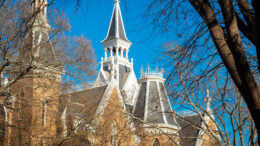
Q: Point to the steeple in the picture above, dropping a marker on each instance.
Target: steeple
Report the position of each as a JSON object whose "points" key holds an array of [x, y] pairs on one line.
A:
{"points": [[116, 66], [116, 40], [116, 28], [37, 47]]}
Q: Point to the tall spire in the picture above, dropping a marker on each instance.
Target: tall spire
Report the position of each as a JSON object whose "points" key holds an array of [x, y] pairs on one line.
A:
{"points": [[116, 30], [40, 8]]}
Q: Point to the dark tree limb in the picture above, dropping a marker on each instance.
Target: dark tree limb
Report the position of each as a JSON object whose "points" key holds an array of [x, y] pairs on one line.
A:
{"points": [[231, 52]]}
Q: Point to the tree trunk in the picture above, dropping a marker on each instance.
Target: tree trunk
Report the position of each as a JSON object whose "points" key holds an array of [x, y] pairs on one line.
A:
{"points": [[232, 53]]}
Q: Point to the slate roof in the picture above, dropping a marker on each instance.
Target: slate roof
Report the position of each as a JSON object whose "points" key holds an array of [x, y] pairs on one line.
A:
{"points": [[116, 28], [158, 107], [123, 74], [82, 104], [46, 55], [189, 129]]}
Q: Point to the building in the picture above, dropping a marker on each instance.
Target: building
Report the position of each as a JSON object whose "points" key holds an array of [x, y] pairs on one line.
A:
{"points": [[118, 110]]}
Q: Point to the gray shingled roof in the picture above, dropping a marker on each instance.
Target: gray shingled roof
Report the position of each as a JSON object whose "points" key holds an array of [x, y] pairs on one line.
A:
{"points": [[123, 73], [157, 97], [46, 55], [82, 103], [140, 103], [116, 28], [189, 129]]}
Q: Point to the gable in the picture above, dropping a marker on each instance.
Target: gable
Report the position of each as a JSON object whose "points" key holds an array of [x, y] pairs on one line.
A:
{"points": [[114, 113]]}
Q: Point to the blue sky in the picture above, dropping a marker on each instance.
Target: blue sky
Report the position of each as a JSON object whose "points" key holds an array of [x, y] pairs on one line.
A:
{"points": [[92, 21]]}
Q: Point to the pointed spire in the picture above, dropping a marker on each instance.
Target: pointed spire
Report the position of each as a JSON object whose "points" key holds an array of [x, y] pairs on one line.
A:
{"points": [[207, 101], [40, 7], [142, 70], [116, 28]]}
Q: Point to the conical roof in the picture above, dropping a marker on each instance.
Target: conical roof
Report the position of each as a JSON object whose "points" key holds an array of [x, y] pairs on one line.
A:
{"points": [[153, 105], [116, 28]]}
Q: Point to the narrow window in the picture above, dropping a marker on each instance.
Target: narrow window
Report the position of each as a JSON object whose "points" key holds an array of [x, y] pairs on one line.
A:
{"points": [[44, 113], [113, 134]]}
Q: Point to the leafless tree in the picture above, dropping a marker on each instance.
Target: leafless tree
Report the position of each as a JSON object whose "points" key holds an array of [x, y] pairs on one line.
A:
{"points": [[229, 25], [75, 59], [187, 83]]}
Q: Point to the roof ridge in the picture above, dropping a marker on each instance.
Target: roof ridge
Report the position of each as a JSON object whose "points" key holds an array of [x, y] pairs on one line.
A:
{"points": [[83, 90]]}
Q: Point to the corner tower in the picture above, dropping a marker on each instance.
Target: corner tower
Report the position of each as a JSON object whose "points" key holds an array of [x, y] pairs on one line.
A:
{"points": [[36, 92], [116, 65], [153, 112]]}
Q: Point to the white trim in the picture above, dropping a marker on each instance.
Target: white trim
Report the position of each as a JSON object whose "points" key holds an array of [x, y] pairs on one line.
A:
{"points": [[104, 100], [116, 42], [146, 101], [137, 93], [160, 129], [161, 103], [6, 115], [170, 106], [201, 133], [63, 118]]}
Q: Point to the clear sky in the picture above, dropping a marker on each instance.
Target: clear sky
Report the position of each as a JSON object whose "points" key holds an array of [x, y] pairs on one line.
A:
{"points": [[92, 21]]}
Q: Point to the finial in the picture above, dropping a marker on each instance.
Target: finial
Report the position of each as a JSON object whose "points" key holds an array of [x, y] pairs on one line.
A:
{"points": [[207, 100], [142, 70], [156, 68], [116, 1], [101, 63]]}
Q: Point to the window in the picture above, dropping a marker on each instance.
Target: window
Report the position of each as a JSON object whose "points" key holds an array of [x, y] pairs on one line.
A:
{"points": [[156, 142], [44, 112], [113, 134]]}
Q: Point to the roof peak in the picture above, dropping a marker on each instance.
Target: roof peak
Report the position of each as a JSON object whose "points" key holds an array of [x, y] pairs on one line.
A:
{"points": [[116, 30]]}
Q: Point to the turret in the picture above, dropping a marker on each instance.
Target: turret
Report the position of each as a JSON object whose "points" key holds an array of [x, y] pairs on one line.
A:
{"points": [[152, 104], [37, 91]]}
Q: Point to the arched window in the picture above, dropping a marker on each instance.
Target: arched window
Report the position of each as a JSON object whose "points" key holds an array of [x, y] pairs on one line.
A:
{"points": [[22, 94], [156, 142], [113, 134]]}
